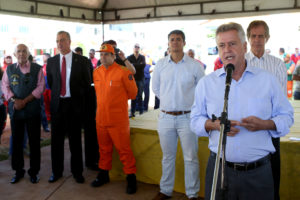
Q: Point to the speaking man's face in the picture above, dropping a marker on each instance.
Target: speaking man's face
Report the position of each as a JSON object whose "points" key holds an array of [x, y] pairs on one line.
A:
{"points": [[231, 49]]}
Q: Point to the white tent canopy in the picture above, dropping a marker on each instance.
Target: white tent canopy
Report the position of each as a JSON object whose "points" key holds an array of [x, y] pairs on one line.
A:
{"points": [[124, 11]]}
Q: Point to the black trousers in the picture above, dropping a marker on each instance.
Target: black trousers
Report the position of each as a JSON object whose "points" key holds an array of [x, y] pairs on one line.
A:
{"points": [[275, 164], [91, 148], [241, 185], [66, 123], [33, 126]]}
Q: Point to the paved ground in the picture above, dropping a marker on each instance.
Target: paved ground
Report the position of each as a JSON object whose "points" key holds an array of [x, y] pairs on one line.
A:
{"points": [[66, 188]]}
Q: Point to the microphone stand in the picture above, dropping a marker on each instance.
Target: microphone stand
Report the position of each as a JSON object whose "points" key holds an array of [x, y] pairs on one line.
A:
{"points": [[225, 127]]}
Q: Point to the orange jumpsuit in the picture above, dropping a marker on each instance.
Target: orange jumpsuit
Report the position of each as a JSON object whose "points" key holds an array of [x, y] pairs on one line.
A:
{"points": [[114, 86]]}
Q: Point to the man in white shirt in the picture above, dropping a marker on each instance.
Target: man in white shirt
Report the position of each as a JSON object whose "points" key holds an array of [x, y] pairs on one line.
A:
{"points": [[258, 35], [174, 80]]}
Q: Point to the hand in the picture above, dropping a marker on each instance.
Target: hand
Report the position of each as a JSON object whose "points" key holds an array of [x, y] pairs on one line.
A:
{"points": [[253, 123], [122, 55], [209, 125], [233, 131], [19, 104]]}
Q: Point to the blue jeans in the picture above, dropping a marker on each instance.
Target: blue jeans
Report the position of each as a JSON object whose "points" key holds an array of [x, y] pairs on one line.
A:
{"points": [[297, 95], [147, 93], [170, 128]]}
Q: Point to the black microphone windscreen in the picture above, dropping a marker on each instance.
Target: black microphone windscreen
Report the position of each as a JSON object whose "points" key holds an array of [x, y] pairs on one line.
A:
{"points": [[229, 66], [229, 70]]}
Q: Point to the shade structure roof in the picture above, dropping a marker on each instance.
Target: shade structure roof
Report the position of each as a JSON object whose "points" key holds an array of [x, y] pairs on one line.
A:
{"points": [[125, 11]]}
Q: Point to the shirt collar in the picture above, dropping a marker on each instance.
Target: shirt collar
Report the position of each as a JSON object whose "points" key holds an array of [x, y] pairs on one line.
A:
{"points": [[66, 55], [249, 69], [182, 60], [27, 64], [252, 56]]}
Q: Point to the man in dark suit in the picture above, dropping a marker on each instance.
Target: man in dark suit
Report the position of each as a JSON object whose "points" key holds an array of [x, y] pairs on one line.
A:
{"points": [[69, 80]]}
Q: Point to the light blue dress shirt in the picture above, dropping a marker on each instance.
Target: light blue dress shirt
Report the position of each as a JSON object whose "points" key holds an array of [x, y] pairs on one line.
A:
{"points": [[174, 83], [256, 93]]}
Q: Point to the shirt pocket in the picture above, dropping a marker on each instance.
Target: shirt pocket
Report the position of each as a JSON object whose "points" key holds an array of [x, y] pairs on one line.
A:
{"points": [[259, 107]]}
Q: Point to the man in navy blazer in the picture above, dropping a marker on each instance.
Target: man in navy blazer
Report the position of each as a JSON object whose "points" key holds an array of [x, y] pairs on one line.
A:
{"points": [[69, 80]]}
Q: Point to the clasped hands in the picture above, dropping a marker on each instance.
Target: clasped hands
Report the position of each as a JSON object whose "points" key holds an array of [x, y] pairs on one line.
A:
{"points": [[19, 104], [251, 123]]}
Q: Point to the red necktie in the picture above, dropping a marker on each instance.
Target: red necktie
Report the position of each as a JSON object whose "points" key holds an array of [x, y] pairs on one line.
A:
{"points": [[63, 77]]}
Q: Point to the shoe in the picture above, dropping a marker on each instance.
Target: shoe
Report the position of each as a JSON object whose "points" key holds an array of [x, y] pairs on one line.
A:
{"points": [[79, 178], [17, 177], [101, 179], [53, 178], [47, 130], [161, 196], [34, 179], [131, 184]]}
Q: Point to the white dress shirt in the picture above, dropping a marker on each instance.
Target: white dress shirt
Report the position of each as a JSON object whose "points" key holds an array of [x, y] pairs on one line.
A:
{"points": [[174, 83], [68, 57]]}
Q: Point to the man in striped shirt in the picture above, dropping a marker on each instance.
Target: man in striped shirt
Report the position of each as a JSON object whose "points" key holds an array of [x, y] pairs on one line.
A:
{"points": [[258, 35]]}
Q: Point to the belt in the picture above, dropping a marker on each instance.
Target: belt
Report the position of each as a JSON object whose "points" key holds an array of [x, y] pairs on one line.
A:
{"points": [[176, 112], [247, 166]]}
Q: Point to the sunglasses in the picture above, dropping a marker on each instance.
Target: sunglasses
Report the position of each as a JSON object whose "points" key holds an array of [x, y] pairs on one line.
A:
{"points": [[137, 47]]}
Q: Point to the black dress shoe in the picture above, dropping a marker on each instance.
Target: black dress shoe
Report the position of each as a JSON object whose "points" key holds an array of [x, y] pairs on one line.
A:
{"points": [[79, 179], [16, 178], [102, 178], [53, 178], [34, 179]]}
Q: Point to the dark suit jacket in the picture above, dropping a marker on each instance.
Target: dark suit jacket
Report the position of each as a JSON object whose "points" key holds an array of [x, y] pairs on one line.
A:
{"points": [[80, 81]]}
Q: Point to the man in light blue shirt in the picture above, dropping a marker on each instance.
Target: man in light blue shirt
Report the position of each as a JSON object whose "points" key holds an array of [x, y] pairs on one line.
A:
{"points": [[258, 110], [174, 81]]}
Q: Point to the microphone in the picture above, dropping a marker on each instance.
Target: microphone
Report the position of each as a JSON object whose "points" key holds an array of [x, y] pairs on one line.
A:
{"points": [[229, 69]]}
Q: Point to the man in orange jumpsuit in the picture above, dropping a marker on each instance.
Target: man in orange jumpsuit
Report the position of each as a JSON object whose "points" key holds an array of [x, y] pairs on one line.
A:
{"points": [[114, 85]]}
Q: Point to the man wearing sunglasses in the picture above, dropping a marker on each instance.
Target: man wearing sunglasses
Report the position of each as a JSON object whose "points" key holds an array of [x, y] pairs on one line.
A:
{"points": [[139, 64]]}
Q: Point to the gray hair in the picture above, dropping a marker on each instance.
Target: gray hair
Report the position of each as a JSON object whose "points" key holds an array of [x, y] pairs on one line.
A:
{"points": [[232, 26], [64, 32], [27, 50]]}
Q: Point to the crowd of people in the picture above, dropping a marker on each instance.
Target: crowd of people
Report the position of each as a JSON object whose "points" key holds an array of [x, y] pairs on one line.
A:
{"points": [[75, 92]]}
